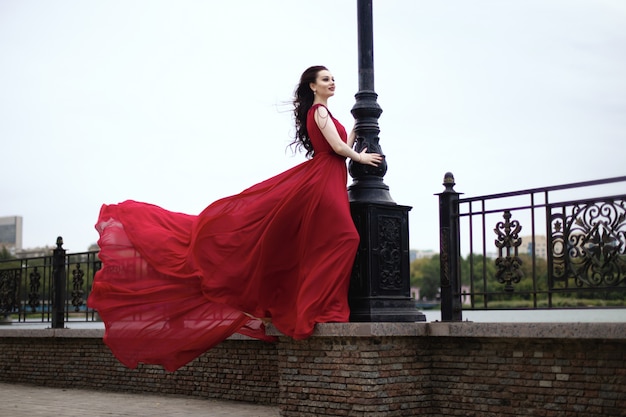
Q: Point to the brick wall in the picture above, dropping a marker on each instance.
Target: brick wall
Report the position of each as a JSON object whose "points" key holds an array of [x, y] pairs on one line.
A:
{"points": [[529, 377], [349, 376], [431, 370], [435, 376], [243, 370]]}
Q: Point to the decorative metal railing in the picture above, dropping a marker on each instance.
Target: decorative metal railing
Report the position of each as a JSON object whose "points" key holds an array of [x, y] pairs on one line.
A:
{"points": [[545, 247], [27, 287]]}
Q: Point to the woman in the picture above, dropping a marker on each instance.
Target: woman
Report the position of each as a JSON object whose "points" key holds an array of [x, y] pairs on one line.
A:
{"points": [[174, 285]]}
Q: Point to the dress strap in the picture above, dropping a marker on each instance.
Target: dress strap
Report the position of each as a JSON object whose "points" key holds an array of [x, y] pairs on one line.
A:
{"points": [[315, 106]]}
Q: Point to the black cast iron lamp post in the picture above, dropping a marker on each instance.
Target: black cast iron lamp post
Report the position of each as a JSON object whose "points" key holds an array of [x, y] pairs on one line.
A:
{"points": [[380, 283]]}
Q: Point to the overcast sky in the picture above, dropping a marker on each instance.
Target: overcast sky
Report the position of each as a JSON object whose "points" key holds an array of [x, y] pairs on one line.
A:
{"points": [[179, 103]]}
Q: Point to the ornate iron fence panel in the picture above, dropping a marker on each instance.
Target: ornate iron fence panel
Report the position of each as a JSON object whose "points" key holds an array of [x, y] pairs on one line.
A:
{"points": [[559, 246], [26, 287], [588, 244], [9, 289]]}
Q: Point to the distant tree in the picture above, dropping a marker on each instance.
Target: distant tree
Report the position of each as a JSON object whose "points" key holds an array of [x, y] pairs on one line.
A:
{"points": [[540, 273], [480, 270], [5, 254], [425, 275], [416, 274]]}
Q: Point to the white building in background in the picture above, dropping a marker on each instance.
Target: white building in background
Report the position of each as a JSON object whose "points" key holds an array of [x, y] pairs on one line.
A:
{"points": [[11, 233], [419, 254], [540, 249]]}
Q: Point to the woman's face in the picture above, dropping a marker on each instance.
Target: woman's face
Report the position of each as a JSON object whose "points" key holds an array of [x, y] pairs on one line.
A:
{"points": [[324, 85]]}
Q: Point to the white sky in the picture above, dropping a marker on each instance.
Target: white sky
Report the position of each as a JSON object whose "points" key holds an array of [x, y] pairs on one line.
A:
{"points": [[179, 103]]}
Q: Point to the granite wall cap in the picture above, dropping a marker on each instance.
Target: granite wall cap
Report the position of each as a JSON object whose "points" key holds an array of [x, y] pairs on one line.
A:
{"points": [[608, 331], [529, 330], [362, 329], [83, 330], [18, 332], [469, 329]]}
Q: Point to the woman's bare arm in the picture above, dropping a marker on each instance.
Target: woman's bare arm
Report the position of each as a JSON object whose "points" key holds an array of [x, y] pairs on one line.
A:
{"points": [[328, 129]]}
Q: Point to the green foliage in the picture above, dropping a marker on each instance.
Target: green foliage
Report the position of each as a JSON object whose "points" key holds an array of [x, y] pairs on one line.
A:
{"points": [[479, 273], [5, 254], [425, 275]]}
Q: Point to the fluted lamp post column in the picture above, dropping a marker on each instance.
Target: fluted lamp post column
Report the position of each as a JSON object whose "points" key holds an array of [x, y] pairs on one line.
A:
{"points": [[380, 288]]}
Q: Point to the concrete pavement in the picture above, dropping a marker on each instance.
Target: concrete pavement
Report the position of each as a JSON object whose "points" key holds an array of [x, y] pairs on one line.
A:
{"points": [[34, 401]]}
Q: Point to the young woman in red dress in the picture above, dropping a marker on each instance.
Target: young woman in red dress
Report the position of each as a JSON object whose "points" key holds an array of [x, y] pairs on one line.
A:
{"points": [[174, 285]]}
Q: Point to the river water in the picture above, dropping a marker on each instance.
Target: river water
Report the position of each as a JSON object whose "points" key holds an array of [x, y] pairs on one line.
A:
{"points": [[589, 315]]}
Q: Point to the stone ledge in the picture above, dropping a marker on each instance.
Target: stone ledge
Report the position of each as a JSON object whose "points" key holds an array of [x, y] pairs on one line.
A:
{"points": [[79, 333], [363, 329], [530, 330], [609, 331], [83, 331], [14, 331]]}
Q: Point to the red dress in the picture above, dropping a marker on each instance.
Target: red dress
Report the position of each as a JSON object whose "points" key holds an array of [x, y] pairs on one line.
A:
{"points": [[174, 285]]}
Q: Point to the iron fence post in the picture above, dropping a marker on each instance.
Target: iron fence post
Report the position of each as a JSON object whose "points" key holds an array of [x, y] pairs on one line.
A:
{"points": [[450, 251], [58, 285]]}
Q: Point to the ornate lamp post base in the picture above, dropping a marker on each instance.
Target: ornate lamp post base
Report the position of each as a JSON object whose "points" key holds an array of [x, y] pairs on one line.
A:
{"points": [[379, 287]]}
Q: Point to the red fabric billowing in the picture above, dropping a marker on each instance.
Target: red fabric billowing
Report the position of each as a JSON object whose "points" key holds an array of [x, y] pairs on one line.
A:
{"points": [[174, 285]]}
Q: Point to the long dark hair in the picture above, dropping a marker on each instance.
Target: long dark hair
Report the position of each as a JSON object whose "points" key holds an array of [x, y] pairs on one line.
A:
{"points": [[302, 102]]}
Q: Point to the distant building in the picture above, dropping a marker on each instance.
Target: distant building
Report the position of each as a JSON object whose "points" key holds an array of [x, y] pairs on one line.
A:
{"points": [[540, 247], [11, 233], [34, 252], [419, 254]]}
